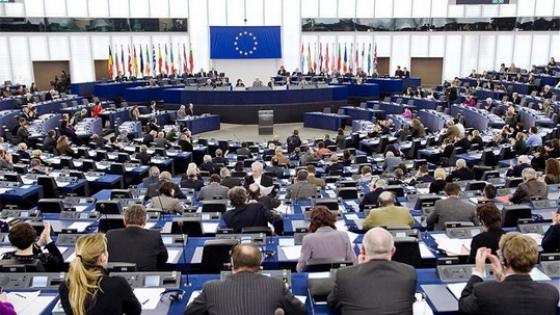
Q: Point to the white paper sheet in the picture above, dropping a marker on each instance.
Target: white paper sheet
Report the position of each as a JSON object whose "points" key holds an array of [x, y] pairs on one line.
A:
{"points": [[301, 298], [70, 258], [456, 289], [29, 303], [6, 249], [173, 255], [81, 208], [150, 225], [80, 226], [319, 275], [286, 242], [341, 225], [330, 193], [193, 296], [292, 252], [454, 246], [425, 252], [537, 275], [352, 217], [62, 184], [148, 297], [210, 227]]}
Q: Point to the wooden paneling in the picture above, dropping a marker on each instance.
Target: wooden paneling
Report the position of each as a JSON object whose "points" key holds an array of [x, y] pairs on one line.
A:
{"points": [[383, 65], [101, 70], [429, 69], [45, 71]]}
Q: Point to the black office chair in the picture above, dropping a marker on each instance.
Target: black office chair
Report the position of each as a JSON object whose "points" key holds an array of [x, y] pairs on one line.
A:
{"points": [[216, 254], [407, 251], [325, 264], [50, 205], [110, 222], [475, 185], [123, 157], [256, 230], [490, 175], [479, 171], [121, 267], [360, 159], [187, 226], [218, 205], [50, 188], [108, 207], [348, 193], [397, 190], [121, 194], [117, 168], [331, 204], [88, 165], [511, 214], [513, 182], [101, 155], [12, 265]]}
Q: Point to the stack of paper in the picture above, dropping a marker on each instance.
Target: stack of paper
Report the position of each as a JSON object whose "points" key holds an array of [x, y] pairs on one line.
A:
{"points": [[292, 252], [79, 226], [210, 227], [456, 289], [148, 297], [29, 303], [286, 242], [455, 246]]}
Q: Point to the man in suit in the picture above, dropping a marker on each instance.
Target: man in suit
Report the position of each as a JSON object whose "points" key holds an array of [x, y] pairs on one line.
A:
{"points": [[517, 170], [311, 171], [377, 285], [163, 178], [244, 150], [301, 188], [22, 134], [135, 243], [153, 177], [249, 214], [257, 176], [275, 169], [227, 179], [461, 172], [246, 291], [551, 239], [530, 188], [376, 187], [388, 214], [451, 209], [214, 190], [143, 155], [514, 293], [399, 73], [406, 73]]}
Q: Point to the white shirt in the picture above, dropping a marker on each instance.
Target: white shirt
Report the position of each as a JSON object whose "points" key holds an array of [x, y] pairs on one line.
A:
{"points": [[257, 180]]}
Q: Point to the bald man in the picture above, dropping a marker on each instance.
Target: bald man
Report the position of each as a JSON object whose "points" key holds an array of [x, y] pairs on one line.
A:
{"points": [[246, 291], [388, 215], [377, 285]]}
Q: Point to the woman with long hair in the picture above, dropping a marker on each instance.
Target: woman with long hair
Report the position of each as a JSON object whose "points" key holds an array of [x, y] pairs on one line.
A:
{"points": [[88, 290], [552, 171]]}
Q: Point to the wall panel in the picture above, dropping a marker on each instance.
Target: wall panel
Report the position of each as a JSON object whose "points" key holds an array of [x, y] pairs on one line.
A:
{"points": [[419, 45], [400, 53], [98, 8], [55, 8], [291, 33], [541, 49], [470, 54], [421, 8], [452, 61], [487, 52], [58, 48], [159, 8], [272, 8], [255, 14], [140, 9], [6, 69], [235, 12], [309, 8], [437, 45], [119, 8], [34, 8], [21, 61], [327, 8], [526, 7], [347, 8], [402, 8], [383, 8], [504, 49], [178, 8], [522, 50], [81, 61], [40, 45], [217, 15], [77, 8], [365, 8], [199, 33]]}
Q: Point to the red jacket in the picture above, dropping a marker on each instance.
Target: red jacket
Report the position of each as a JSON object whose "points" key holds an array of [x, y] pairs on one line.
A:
{"points": [[96, 111]]}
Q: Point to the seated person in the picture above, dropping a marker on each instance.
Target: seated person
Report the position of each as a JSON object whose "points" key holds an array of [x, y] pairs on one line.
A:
{"points": [[530, 188], [208, 165], [255, 195], [28, 252], [376, 187], [514, 293], [311, 171], [322, 150], [22, 151], [153, 177], [249, 214], [391, 161], [164, 177], [551, 239], [136, 244], [214, 190], [246, 291], [324, 241], [227, 179], [451, 209], [219, 158], [88, 289], [191, 180], [388, 214], [37, 168], [301, 188], [275, 169], [489, 194], [461, 172], [166, 201], [334, 167], [143, 155], [516, 170], [279, 155], [423, 175], [377, 285], [244, 150], [257, 176], [552, 171], [490, 218]]}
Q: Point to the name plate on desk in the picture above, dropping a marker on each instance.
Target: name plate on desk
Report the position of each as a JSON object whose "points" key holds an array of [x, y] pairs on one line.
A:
{"points": [[161, 279], [463, 232], [73, 215], [67, 240], [20, 214], [449, 270], [537, 228], [26, 280], [259, 238], [206, 216]]}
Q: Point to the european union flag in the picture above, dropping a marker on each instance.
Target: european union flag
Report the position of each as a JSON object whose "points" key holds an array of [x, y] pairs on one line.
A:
{"points": [[245, 42]]}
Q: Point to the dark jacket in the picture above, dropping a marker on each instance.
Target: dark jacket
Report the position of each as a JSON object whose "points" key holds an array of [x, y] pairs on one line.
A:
{"points": [[231, 182], [245, 293], [114, 297], [253, 214], [516, 295], [528, 190], [153, 190], [375, 287], [551, 239], [461, 174], [371, 198], [49, 144], [192, 184], [44, 262], [144, 158], [489, 239], [437, 186], [137, 245], [517, 170]]}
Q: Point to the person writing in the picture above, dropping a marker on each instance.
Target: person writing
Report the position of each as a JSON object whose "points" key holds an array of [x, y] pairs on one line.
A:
{"points": [[88, 290]]}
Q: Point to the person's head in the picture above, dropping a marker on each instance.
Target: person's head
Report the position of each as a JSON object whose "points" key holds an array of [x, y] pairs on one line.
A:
{"points": [[333, 159], [439, 173], [22, 146], [460, 163], [153, 171], [423, 169], [452, 189], [519, 252], [366, 170], [301, 175], [238, 166], [237, 196], [52, 134], [192, 170], [520, 136], [490, 191], [321, 216], [246, 257], [552, 167], [378, 244], [165, 176], [321, 145], [295, 132], [35, 163], [256, 169], [135, 215], [219, 153], [224, 172], [86, 270], [398, 173], [340, 132], [144, 148], [523, 159], [215, 178], [528, 174], [254, 191], [386, 198], [167, 189], [161, 135], [22, 235], [490, 216], [533, 130], [206, 158]]}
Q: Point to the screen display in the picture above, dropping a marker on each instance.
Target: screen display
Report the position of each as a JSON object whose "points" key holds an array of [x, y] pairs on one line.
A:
{"points": [[151, 281], [24, 214], [39, 281]]}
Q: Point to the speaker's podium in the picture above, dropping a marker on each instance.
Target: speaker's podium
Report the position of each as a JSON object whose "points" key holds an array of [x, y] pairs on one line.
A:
{"points": [[266, 122]]}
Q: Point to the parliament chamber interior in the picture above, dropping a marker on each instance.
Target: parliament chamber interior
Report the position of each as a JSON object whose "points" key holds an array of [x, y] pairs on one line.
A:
{"points": [[259, 157]]}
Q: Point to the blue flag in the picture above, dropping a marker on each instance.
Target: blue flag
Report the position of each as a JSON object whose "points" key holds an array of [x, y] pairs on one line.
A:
{"points": [[245, 42]]}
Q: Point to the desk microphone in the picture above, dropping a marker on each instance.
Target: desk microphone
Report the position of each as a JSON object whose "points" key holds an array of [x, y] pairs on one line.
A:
{"points": [[188, 283]]}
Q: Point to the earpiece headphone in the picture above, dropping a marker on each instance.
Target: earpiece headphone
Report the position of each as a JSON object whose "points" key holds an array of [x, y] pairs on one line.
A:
{"points": [[174, 295]]}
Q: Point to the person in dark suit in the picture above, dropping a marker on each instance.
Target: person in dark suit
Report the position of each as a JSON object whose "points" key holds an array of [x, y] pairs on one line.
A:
{"points": [[153, 177], [257, 176], [22, 134], [399, 73], [461, 172], [249, 214], [516, 170], [89, 289], [208, 165], [551, 238], [245, 291], [439, 181], [530, 188], [136, 244], [393, 284], [153, 190], [515, 293], [28, 252], [376, 187], [451, 209], [219, 158], [143, 155], [149, 137], [49, 143], [228, 180], [491, 219]]}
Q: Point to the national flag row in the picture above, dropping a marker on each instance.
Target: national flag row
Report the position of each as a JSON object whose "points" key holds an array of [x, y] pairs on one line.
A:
{"points": [[138, 61], [331, 58]]}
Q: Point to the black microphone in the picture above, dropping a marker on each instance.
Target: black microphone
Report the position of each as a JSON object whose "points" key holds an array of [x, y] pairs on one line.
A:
{"points": [[188, 283]]}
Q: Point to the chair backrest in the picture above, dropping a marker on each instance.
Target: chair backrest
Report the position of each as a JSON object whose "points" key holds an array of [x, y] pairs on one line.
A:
{"points": [[117, 168], [475, 185], [325, 264], [121, 194], [189, 226], [50, 189], [88, 165], [218, 205], [513, 182], [407, 251], [111, 222], [511, 214], [50, 205], [108, 207], [216, 254], [256, 230]]}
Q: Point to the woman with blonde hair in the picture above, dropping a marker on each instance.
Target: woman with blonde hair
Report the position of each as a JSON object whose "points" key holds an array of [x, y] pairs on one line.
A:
{"points": [[88, 290], [439, 183]]}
